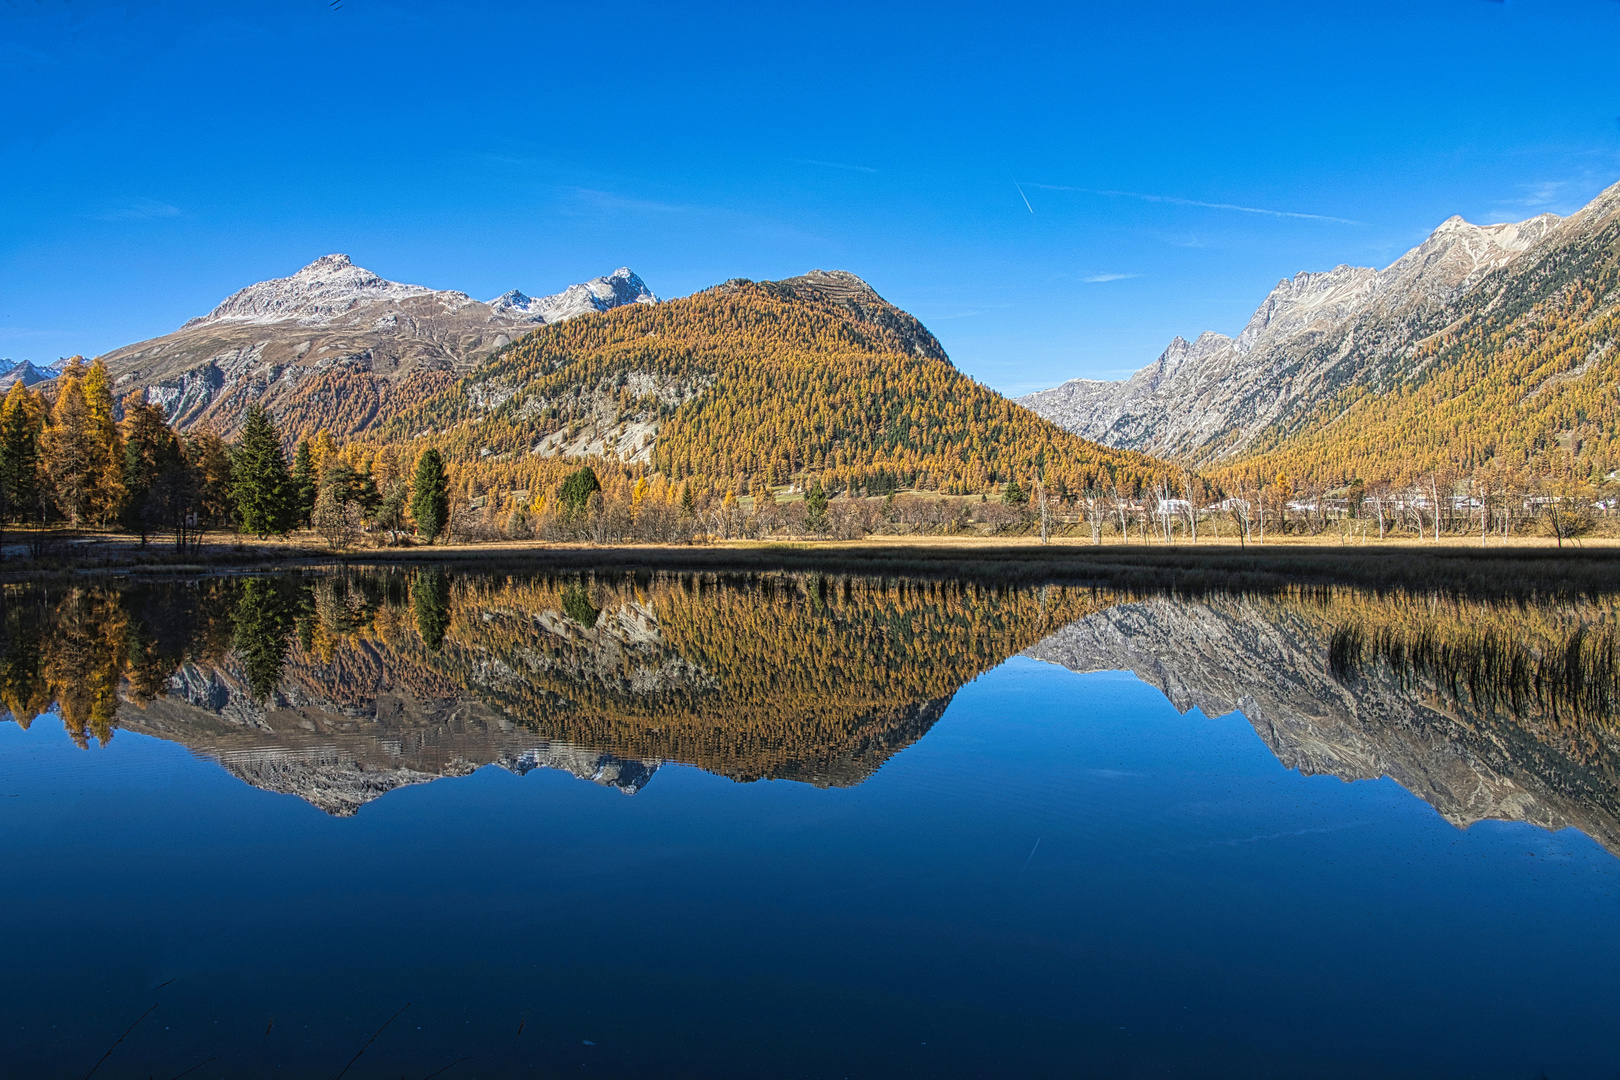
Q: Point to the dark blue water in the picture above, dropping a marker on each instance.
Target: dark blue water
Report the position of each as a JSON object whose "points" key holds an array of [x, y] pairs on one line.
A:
{"points": [[1064, 877]]}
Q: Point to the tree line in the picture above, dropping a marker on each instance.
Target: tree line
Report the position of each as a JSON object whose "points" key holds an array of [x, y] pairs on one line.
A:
{"points": [[82, 458]]}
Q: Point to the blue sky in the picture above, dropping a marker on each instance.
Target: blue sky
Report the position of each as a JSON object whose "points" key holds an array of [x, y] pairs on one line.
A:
{"points": [[1177, 159]]}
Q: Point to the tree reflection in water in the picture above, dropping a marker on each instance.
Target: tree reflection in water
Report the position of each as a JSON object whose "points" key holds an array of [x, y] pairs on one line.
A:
{"points": [[811, 677]]}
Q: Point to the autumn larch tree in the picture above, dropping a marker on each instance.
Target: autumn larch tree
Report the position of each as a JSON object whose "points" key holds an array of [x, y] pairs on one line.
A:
{"points": [[71, 453]]}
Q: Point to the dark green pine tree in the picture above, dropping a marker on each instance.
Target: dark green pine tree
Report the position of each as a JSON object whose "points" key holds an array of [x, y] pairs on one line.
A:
{"points": [[430, 495], [306, 483], [20, 487], [575, 493], [261, 488], [815, 506], [265, 618], [150, 450], [430, 596]]}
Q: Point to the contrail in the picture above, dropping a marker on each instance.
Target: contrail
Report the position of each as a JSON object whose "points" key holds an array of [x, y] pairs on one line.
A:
{"points": [[1174, 201], [1021, 195], [1037, 839]]}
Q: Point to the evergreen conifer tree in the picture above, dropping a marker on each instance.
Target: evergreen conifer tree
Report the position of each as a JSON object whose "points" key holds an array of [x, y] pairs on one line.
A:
{"points": [[576, 491], [815, 507], [20, 486], [150, 449], [261, 486], [430, 596], [430, 495], [304, 480]]}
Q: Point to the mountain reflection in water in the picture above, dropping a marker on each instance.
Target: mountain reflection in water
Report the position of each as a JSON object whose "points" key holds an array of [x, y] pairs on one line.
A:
{"points": [[341, 688]]}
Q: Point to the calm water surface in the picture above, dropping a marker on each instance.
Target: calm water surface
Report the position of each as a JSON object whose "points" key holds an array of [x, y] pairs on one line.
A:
{"points": [[796, 827]]}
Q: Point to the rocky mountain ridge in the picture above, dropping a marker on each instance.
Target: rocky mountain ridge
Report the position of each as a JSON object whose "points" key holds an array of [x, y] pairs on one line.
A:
{"points": [[598, 294], [24, 372], [1317, 333], [335, 345]]}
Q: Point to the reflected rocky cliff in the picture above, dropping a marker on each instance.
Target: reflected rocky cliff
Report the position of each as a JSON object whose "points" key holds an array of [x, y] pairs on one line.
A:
{"points": [[1485, 711], [340, 688]]}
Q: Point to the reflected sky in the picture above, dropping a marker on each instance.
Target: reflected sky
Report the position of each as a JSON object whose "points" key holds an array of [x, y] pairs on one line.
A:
{"points": [[1063, 874]]}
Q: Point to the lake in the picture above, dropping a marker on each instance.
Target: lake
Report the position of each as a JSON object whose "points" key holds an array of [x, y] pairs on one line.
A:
{"points": [[417, 823]]}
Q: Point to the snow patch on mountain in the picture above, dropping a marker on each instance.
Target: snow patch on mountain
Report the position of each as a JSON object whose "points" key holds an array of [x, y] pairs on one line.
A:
{"points": [[321, 292], [599, 294], [24, 371]]}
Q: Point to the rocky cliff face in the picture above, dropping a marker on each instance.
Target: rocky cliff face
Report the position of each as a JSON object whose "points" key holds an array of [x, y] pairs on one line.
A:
{"points": [[1316, 334], [337, 346], [1269, 661]]}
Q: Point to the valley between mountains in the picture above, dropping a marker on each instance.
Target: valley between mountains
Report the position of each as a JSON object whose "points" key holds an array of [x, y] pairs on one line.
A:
{"points": [[1486, 351]]}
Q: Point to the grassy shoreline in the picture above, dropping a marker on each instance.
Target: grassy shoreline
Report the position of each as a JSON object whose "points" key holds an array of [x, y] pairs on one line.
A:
{"points": [[1519, 570]]}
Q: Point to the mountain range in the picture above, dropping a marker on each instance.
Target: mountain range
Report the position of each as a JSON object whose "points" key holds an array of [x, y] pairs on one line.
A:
{"points": [[749, 383], [336, 346], [1349, 362], [26, 373], [740, 384], [1484, 345]]}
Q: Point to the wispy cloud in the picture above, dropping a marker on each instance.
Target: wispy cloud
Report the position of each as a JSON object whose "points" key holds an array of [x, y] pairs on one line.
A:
{"points": [[137, 210], [1556, 196], [1096, 279], [1177, 201], [834, 165], [606, 200], [1544, 193]]}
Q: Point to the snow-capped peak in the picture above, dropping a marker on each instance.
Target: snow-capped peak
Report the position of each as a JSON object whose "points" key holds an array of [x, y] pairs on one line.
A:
{"points": [[23, 371], [598, 294], [320, 292], [513, 300], [332, 287]]}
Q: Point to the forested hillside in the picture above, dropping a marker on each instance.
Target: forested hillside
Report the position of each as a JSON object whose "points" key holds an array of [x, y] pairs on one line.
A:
{"points": [[1527, 382], [748, 385], [1484, 348]]}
